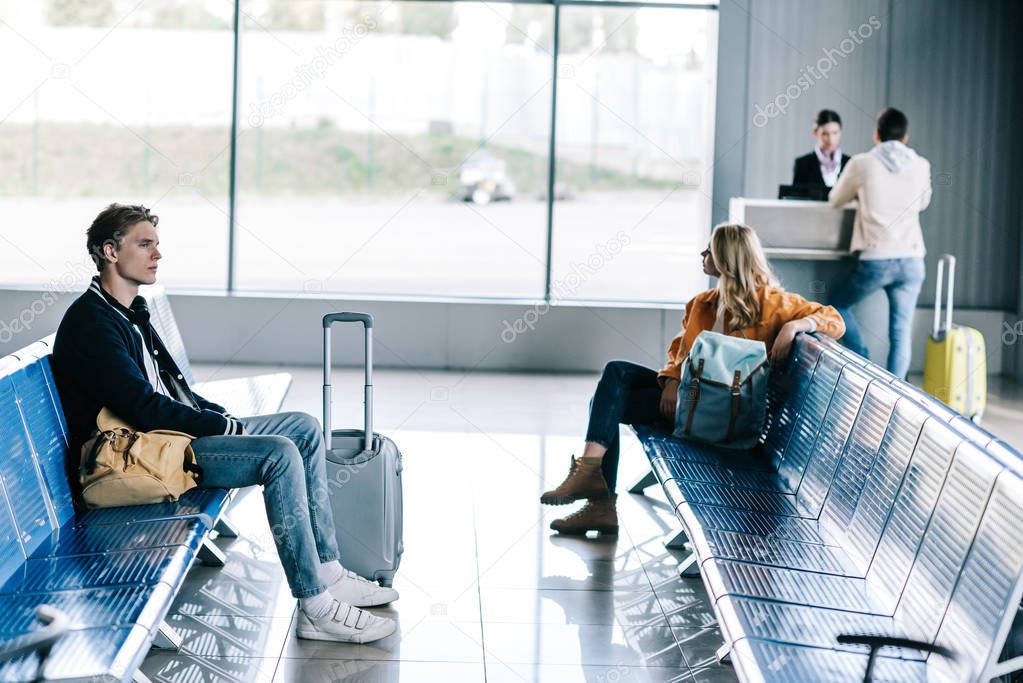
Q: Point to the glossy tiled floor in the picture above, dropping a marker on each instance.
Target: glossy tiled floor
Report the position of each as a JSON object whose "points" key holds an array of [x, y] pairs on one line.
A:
{"points": [[488, 593]]}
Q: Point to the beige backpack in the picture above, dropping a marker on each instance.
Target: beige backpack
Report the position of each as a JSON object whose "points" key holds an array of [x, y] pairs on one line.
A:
{"points": [[122, 466]]}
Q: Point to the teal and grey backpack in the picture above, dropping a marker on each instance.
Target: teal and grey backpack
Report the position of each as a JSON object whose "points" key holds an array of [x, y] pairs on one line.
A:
{"points": [[722, 399]]}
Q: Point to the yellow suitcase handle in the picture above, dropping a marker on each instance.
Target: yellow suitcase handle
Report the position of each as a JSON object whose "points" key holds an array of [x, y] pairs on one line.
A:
{"points": [[937, 331]]}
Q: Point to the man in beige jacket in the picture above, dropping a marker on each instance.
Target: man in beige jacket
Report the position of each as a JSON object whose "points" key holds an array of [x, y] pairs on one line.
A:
{"points": [[892, 185]]}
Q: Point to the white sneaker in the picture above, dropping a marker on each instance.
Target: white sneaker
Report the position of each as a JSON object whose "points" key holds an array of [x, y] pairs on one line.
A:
{"points": [[357, 591], [345, 623]]}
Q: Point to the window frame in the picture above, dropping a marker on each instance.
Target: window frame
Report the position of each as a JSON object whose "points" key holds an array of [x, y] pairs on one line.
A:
{"points": [[231, 284]]}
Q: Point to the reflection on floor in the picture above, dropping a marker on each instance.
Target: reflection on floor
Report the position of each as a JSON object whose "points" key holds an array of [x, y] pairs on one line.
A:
{"points": [[488, 592]]}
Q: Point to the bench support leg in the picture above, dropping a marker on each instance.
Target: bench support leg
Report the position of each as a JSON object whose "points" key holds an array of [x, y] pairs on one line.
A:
{"points": [[724, 654], [225, 528], [675, 540], [1007, 667], [645, 482], [166, 638], [210, 555], [689, 568], [139, 677]]}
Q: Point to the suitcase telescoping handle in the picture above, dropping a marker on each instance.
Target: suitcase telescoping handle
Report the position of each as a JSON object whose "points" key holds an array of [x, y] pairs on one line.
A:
{"points": [[367, 322], [938, 332]]}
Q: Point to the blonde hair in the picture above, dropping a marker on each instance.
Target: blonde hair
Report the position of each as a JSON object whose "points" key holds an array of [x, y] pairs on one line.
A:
{"points": [[740, 259]]}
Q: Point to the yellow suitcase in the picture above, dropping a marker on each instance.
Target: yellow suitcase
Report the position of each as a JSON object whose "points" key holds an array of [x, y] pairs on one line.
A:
{"points": [[955, 362]]}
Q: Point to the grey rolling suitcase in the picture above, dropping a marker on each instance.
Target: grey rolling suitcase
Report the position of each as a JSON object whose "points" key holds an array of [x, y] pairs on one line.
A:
{"points": [[363, 477]]}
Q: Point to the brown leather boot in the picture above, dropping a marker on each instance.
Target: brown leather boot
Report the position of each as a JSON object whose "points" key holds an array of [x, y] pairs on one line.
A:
{"points": [[584, 481], [597, 515]]}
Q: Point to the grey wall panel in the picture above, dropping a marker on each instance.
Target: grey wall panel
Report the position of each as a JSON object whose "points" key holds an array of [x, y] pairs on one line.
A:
{"points": [[731, 122], [1013, 329], [471, 336], [802, 60], [455, 335], [1014, 322], [954, 67], [955, 70]]}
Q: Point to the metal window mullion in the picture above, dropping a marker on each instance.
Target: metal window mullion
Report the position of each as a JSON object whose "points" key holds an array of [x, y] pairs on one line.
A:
{"points": [[232, 180], [551, 160]]}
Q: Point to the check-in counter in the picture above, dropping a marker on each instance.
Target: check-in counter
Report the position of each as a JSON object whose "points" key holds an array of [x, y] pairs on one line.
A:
{"points": [[797, 230], [807, 244]]}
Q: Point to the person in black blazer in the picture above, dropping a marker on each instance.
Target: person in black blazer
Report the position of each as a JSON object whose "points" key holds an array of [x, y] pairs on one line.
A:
{"points": [[826, 162]]}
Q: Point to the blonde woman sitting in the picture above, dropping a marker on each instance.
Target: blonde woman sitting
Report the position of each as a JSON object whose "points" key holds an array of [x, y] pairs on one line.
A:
{"points": [[747, 298]]}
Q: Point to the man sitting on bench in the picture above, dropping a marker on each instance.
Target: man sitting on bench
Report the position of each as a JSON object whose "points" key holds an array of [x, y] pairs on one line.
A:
{"points": [[107, 354]]}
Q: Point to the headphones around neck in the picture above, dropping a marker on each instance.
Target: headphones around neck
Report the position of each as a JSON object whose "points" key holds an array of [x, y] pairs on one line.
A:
{"points": [[138, 312]]}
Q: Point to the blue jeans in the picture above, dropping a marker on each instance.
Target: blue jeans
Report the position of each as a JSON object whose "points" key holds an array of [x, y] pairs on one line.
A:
{"points": [[627, 393], [285, 454], [901, 280]]}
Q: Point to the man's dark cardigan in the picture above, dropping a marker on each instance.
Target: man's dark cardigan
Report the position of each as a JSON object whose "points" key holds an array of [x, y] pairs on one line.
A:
{"points": [[99, 360]]}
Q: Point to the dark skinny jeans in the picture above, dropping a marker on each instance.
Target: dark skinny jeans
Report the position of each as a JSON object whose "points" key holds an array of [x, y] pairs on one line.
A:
{"points": [[627, 393]]}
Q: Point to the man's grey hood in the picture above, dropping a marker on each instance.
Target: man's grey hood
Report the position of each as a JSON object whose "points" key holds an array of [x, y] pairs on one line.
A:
{"points": [[894, 155]]}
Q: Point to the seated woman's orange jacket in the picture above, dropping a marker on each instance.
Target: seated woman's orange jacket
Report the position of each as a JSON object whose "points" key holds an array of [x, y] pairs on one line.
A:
{"points": [[777, 307]]}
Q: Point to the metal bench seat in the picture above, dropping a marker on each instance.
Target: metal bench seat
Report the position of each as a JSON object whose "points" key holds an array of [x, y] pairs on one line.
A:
{"points": [[113, 572], [712, 518], [97, 654], [782, 584], [785, 394], [699, 493], [972, 621], [850, 486], [765, 661], [903, 537], [97, 539], [805, 624], [205, 504], [825, 556], [659, 441], [718, 474], [88, 608], [675, 460], [921, 599], [117, 568], [886, 517], [30, 387], [867, 477], [809, 460]]}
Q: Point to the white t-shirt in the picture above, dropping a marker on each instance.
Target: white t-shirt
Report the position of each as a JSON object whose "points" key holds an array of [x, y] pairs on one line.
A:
{"points": [[152, 368]]}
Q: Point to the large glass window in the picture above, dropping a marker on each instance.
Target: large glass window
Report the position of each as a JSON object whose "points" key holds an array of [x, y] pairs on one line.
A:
{"points": [[393, 148], [101, 102], [634, 143], [398, 148]]}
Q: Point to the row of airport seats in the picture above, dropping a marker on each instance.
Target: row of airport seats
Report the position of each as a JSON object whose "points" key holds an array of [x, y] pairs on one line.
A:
{"points": [[104, 579], [872, 535]]}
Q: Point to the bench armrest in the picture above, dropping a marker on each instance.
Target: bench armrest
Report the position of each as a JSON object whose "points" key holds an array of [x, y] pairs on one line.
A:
{"points": [[875, 643], [57, 623]]}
